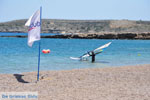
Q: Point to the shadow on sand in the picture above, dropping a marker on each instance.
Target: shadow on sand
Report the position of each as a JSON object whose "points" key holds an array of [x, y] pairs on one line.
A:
{"points": [[19, 78]]}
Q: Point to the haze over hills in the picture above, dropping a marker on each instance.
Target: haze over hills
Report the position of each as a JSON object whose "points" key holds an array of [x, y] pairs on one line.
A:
{"points": [[80, 26]]}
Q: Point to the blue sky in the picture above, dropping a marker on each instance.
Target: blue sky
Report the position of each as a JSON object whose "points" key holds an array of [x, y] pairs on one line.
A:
{"points": [[76, 9]]}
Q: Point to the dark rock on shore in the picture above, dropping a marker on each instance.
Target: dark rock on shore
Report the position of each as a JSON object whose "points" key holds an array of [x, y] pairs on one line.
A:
{"points": [[104, 36], [97, 36]]}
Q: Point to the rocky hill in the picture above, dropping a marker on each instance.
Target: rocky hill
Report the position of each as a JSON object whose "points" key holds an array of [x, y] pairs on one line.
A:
{"points": [[105, 29], [80, 26]]}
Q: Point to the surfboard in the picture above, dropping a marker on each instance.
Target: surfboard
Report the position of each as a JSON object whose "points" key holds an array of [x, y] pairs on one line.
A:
{"points": [[75, 58]]}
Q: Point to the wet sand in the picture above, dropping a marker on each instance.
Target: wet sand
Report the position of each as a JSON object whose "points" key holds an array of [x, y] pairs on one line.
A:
{"points": [[117, 83]]}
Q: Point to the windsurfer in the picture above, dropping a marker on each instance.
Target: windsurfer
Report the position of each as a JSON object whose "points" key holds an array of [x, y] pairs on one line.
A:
{"points": [[93, 55]]}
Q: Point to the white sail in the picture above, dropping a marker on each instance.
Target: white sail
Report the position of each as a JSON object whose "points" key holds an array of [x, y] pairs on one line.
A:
{"points": [[101, 47], [86, 55]]}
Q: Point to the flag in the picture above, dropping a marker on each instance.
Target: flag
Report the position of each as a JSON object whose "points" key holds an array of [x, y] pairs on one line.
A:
{"points": [[34, 23]]}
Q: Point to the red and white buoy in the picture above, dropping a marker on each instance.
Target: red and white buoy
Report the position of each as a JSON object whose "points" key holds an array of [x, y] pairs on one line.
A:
{"points": [[46, 51]]}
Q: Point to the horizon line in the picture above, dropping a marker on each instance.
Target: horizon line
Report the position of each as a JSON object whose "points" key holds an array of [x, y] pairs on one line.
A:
{"points": [[77, 19]]}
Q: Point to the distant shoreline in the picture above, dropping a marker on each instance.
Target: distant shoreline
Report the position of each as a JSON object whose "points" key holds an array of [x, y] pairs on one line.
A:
{"points": [[85, 29], [125, 35]]}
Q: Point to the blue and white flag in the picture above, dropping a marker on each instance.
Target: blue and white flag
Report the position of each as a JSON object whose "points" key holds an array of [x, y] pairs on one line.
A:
{"points": [[34, 23]]}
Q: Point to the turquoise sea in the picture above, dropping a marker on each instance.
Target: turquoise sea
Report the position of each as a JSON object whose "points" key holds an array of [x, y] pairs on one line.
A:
{"points": [[17, 57]]}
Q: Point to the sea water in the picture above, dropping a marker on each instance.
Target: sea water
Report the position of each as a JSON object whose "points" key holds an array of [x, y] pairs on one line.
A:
{"points": [[17, 57]]}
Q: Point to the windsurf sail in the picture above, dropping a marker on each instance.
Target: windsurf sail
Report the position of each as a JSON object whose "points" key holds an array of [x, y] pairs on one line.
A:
{"points": [[102, 47], [85, 55]]}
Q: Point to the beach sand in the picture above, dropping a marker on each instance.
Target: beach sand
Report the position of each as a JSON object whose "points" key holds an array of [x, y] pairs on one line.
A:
{"points": [[117, 83]]}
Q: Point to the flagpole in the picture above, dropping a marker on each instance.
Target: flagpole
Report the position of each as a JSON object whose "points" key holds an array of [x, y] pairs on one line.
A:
{"points": [[39, 46], [39, 62]]}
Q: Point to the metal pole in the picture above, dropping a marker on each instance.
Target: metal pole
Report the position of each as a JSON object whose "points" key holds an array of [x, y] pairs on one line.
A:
{"points": [[39, 47], [39, 62]]}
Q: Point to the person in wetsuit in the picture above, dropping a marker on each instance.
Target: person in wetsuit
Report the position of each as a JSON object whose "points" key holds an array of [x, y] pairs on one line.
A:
{"points": [[93, 55]]}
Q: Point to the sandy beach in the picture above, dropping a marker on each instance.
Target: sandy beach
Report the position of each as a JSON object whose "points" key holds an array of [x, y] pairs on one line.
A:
{"points": [[117, 83]]}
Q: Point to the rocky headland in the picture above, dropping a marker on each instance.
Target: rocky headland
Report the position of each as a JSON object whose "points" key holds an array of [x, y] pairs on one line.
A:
{"points": [[86, 29]]}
